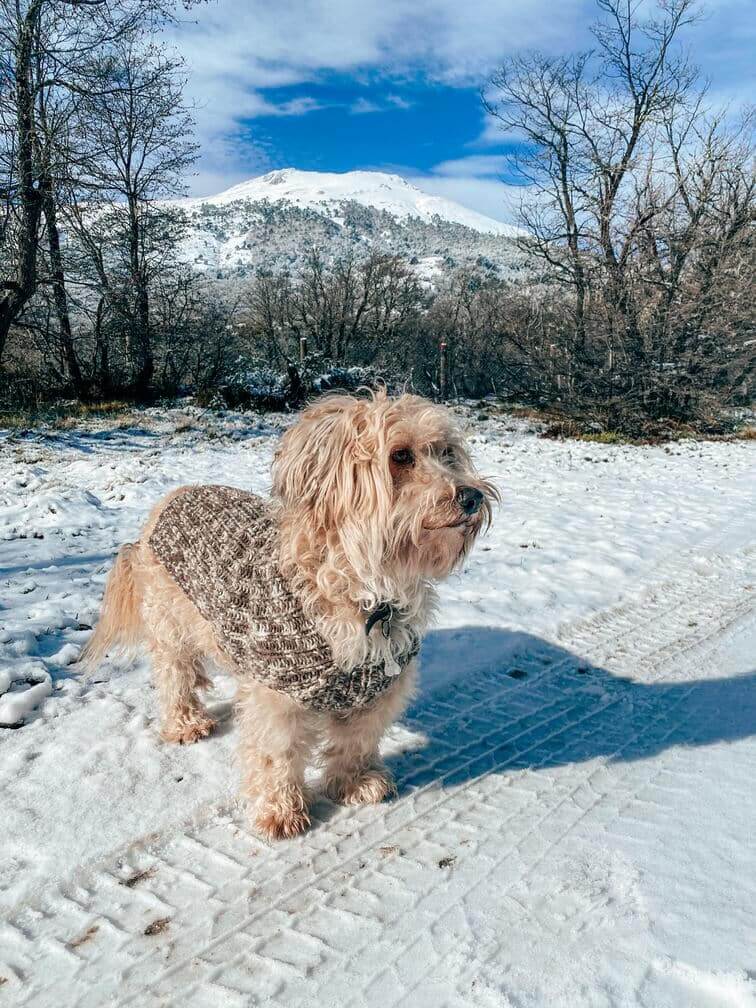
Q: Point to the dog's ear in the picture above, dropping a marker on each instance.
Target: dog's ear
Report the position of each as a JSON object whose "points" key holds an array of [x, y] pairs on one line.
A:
{"points": [[330, 465]]}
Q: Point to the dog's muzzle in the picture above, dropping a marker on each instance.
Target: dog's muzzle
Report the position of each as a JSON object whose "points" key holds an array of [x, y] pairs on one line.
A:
{"points": [[469, 500]]}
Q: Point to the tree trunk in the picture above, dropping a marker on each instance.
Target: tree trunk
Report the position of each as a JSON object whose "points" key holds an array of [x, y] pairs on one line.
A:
{"points": [[17, 292], [140, 346], [60, 299], [101, 365]]}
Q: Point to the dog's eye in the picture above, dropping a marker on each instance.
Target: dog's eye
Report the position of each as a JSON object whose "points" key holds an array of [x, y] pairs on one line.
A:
{"points": [[448, 456], [403, 457]]}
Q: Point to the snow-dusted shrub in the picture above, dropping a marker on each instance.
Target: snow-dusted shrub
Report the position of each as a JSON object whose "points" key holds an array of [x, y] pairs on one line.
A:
{"points": [[264, 388], [336, 377]]}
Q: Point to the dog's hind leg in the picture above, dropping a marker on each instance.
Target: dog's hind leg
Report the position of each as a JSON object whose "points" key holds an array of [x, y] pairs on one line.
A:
{"points": [[178, 676], [354, 773], [178, 640], [276, 736]]}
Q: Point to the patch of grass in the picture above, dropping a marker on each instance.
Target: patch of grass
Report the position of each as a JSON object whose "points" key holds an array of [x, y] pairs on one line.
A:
{"points": [[566, 428], [61, 415], [638, 431], [576, 430], [72, 412], [607, 437], [530, 413], [15, 420], [613, 426]]}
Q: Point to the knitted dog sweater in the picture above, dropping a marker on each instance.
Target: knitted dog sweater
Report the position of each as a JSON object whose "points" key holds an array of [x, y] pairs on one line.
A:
{"points": [[221, 546]]}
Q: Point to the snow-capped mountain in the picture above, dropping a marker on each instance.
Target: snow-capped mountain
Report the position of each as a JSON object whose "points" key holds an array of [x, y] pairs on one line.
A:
{"points": [[390, 193], [274, 220]]}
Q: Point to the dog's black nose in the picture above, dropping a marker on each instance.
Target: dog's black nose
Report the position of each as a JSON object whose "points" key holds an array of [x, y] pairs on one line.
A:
{"points": [[469, 499]]}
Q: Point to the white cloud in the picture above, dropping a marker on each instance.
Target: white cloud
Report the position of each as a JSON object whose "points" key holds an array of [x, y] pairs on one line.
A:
{"points": [[493, 133], [210, 182], [475, 182], [235, 51], [225, 161], [295, 107], [363, 107], [475, 166], [486, 195]]}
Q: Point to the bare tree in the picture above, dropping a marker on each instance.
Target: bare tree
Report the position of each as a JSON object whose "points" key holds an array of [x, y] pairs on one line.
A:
{"points": [[135, 135], [44, 46], [637, 200], [694, 249], [54, 56], [349, 309]]}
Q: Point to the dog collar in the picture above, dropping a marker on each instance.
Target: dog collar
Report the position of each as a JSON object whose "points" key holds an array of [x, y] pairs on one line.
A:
{"points": [[382, 614]]}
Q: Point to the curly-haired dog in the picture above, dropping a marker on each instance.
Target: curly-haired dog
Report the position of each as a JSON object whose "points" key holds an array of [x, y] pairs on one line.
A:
{"points": [[316, 599]]}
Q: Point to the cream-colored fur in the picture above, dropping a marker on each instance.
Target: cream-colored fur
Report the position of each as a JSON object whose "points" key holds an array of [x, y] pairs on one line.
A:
{"points": [[370, 512]]}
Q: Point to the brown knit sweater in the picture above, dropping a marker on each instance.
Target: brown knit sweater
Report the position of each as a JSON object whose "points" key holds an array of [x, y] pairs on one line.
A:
{"points": [[221, 546]]}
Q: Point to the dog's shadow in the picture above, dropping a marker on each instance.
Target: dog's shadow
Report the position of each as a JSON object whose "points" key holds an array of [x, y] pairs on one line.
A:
{"points": [[493, 700]]}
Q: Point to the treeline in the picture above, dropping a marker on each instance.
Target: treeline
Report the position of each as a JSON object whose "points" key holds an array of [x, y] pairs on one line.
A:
{"points": [[638, 228], [94, 138], [641, 203], [639, 225]]}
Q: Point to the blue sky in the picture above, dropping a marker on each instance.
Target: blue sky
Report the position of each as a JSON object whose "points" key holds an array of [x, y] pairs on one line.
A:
{"points": [[362, 123], [393, 85]]}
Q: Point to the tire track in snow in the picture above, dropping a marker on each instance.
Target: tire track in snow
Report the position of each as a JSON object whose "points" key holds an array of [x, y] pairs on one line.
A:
{"points": [[716, 599]]}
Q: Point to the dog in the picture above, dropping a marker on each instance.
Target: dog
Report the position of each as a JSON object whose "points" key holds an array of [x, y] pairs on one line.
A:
{"points": [[374, 500]]}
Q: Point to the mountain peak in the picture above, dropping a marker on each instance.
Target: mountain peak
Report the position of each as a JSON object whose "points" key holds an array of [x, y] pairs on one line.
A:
{"points": [[383, 191]]}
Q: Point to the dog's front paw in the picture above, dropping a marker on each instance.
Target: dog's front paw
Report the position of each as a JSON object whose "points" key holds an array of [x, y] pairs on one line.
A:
{"points": [[367, 788], [275, 823], [188, 730]]}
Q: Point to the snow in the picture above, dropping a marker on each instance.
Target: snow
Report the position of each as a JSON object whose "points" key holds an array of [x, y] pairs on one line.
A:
{"points": [[271, 222], [579, 762], [14, 706], [391, 193]]}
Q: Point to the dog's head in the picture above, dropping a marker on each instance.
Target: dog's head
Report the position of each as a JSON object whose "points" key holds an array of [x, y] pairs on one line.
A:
{"points": [[387, 483]]}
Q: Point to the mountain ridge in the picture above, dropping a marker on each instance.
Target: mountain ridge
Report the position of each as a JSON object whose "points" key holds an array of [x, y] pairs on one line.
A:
{"points": [[380, 190], [275, 221]]}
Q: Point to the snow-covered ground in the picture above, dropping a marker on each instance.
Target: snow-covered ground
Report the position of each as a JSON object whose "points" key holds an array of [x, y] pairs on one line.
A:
{"points": [[576, 815]]}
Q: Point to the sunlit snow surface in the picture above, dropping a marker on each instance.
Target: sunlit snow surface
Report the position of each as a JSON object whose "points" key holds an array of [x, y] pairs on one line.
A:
{"points": [[598, 812]]}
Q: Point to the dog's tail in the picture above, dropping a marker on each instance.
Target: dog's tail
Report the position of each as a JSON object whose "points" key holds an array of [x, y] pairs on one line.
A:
{"points": [[120, 621]]}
